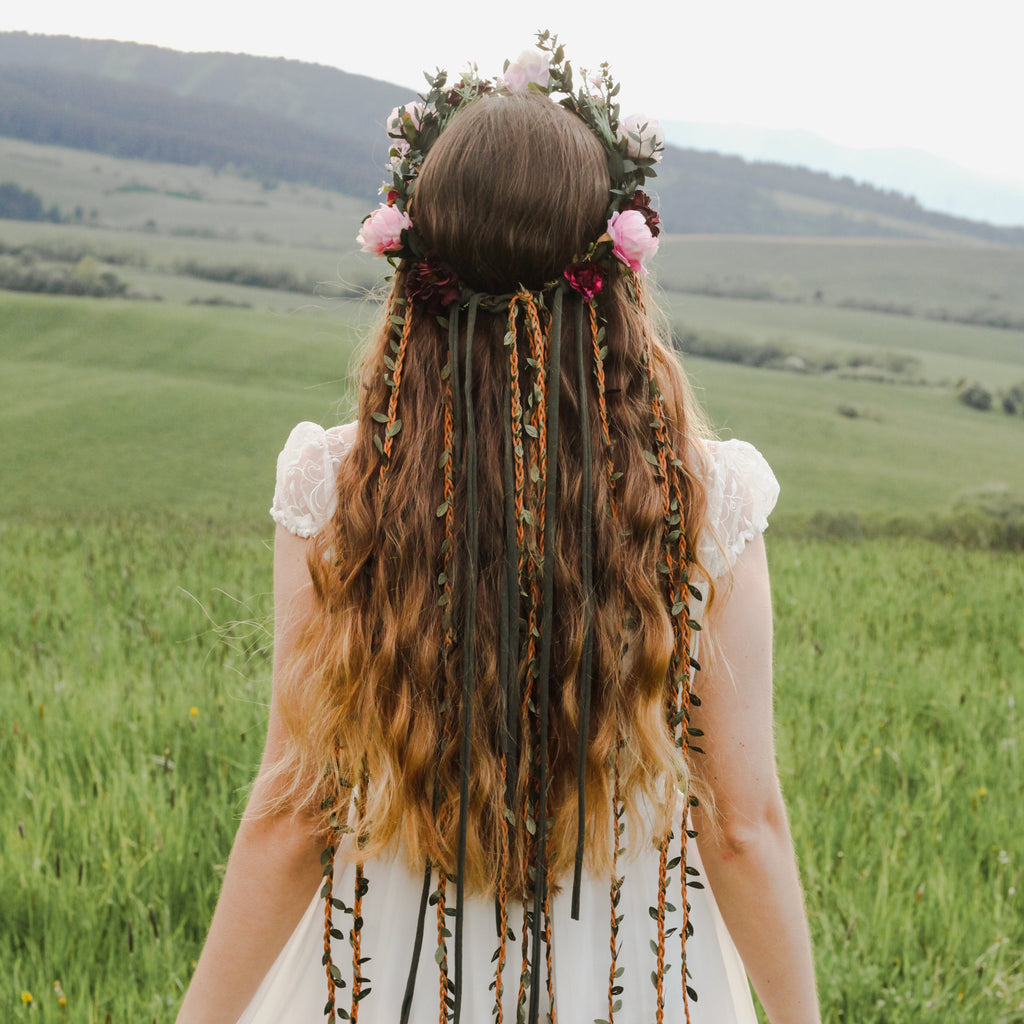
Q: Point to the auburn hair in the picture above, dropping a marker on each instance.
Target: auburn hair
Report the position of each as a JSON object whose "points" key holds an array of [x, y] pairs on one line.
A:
{"points": [[512, 192]]}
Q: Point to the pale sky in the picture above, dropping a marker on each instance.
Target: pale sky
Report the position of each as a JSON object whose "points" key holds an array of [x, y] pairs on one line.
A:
{"points": [[943, 77]]}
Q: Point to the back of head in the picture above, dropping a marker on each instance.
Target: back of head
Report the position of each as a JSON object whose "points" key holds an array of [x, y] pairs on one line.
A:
{"points": [[513, 191], [503, 616]]}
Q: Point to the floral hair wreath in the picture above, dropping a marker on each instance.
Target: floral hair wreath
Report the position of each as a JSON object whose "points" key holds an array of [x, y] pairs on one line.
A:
{"points": [[632, 145]]}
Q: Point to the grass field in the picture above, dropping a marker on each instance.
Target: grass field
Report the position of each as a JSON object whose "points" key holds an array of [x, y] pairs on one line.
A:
{"points": [[134, 676], [121, 401], [137, 462]]}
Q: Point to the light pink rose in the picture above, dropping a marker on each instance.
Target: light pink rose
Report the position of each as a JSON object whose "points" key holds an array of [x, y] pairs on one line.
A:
{"points": [[396, 128], [634, 244], [530, 67], [381, 232], [643, 135]]}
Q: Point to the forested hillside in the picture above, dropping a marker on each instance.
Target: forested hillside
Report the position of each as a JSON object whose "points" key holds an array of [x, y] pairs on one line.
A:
{"points": [[284, 120]]}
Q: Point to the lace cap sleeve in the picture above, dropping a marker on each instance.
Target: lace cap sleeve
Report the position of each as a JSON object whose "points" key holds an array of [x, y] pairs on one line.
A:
{"points": [[305, 496], [742, 491]]}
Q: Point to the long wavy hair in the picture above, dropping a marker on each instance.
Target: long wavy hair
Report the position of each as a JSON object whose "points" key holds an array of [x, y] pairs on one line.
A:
{"points": [[512, 192]]}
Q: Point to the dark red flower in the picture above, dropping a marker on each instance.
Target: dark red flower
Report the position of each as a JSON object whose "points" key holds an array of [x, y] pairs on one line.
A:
{"points": [[642, 201], [455, 96], [391, 196], [586, 278], [433, 285]]}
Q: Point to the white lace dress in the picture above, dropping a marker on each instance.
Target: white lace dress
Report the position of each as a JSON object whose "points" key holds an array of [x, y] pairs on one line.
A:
{"points": [[741, 492]]}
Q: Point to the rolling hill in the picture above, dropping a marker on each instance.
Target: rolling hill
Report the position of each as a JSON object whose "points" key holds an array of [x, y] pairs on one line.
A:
{"points": [[284, 120]]}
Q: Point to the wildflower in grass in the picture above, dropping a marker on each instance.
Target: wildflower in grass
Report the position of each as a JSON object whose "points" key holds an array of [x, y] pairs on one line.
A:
{"points": [[193, 712], [62, 1000], [26, 998]]}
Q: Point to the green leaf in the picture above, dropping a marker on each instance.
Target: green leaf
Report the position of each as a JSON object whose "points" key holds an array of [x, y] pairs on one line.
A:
{"points": [[394, 429], [652, 458]]}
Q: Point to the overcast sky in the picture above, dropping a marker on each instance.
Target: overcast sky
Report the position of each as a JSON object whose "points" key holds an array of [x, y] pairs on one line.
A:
{"points": [[945, 77]]}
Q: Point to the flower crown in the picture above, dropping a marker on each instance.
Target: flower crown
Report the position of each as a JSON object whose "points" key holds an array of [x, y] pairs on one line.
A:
{"points": [[632, 146]]}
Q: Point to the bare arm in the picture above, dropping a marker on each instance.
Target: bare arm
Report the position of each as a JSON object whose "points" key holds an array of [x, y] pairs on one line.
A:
{"points": [[275, 862], [747, 853]]}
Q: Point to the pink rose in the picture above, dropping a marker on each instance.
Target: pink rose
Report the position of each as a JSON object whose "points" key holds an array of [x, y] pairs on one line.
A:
{"points": [[632, 239], [381, 232], [396, 121], [643, 135], [530, 68]]}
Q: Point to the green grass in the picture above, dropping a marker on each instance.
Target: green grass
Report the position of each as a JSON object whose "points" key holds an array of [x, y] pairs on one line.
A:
{"points": [[120, 805], [126, 194], [911, 453], [945, 351], [925, 276], [116, 403], [119, 405], [139, 443], [899, 677]]}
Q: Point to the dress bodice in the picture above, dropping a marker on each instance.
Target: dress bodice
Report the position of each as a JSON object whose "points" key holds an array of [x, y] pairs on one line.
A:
{"points": [[741, 490]]}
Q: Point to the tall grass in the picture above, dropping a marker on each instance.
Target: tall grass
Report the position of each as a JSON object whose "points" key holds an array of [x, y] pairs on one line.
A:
{"points": [[134, 676]]}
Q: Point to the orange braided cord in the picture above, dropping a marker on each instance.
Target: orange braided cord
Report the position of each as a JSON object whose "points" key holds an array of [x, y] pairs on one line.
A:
{"points": [[442, 945], [328, 894], [516, 412], [499, 984], [662, 892], [360, 888], [602, 406], [616, 883], [686, 912], [524, 970], [448, 547], [391, 429]]}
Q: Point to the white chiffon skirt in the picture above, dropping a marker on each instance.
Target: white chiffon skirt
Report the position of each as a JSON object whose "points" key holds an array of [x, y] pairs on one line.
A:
{"points": [[294, 991]]}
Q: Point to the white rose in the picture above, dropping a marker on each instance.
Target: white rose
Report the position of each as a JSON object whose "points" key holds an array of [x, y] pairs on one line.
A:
{"points": [[643, 135]]}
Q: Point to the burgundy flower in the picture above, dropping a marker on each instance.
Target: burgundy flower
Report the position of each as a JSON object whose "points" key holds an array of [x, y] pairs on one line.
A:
{"points": [[641, 202], [433, 285], [586, 278], [475, 89]]}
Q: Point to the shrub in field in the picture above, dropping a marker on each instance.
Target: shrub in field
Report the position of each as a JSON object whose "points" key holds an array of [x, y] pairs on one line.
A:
{"points": [[1013, 400], [974, 395], [85, 278]]}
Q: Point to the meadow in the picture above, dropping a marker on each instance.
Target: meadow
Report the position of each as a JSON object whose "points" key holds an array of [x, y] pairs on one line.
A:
{"points": [[134, 677], [139, 440]]}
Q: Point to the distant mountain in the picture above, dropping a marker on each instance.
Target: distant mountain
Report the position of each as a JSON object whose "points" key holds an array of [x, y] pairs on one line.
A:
{"points": [[936, 183], [279, 119]]}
